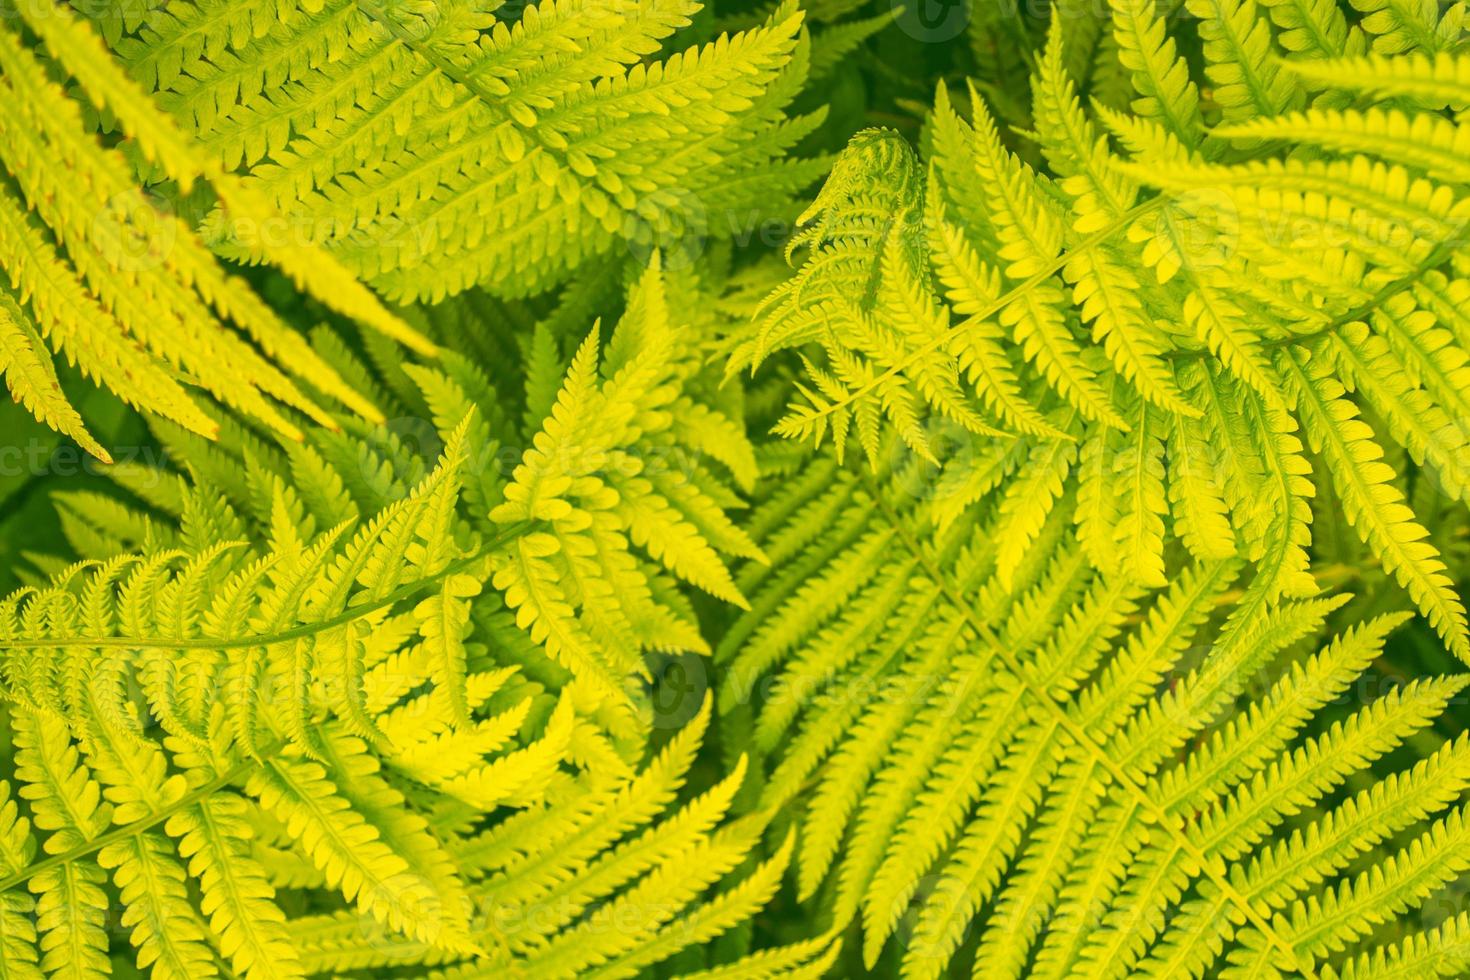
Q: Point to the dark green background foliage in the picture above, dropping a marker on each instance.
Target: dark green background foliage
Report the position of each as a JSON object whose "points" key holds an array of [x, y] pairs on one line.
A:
{"points": [[734, 490]]}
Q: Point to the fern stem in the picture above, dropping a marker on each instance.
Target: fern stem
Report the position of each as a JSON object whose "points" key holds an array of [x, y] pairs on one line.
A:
{"points": [[97, 843], [1440, 254], [1084, 738], [506, 534], [373, 12], [1052, 268]]}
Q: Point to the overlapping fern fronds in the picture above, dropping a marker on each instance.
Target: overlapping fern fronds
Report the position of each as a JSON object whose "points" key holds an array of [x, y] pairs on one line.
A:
{"points": [[432, 715], [1065, 629], [476, 849], [432, 147], [1193, 314], [620, 494], [1068, 774], [425, 148]]}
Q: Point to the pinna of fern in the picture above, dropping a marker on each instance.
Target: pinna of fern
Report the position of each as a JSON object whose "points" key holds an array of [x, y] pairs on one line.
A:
{"points": [[103, 272], [1253, 295], [1069, 774]]}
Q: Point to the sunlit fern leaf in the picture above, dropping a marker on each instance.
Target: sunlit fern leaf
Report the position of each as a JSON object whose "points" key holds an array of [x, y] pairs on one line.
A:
{"points": [[1076, 776], [1160, 76], [31, 377], [1440, 81], [1397, 26], [580, 537], [1238, 49], [1315, 28]]}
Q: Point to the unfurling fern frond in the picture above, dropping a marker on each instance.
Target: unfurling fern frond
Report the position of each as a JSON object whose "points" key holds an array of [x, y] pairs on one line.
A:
{"points": [[1191, 327], [1068, 774]]}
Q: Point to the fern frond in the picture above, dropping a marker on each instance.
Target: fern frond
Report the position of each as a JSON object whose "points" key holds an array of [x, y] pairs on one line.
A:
{"points": [[1066, 761], [1237, 48], [1198, 261], [1437, 81], [1397, 26], [1373, 505], [1166, 92], [432, 151]]}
